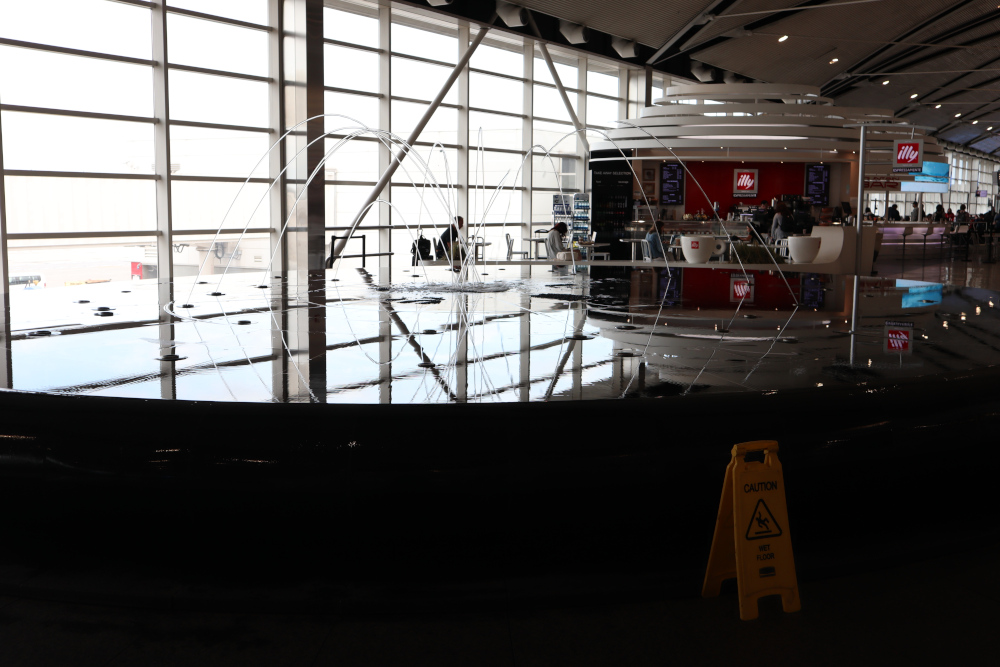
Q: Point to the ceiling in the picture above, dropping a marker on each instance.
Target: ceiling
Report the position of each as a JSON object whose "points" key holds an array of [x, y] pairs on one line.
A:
{"points": [[945, 52]]}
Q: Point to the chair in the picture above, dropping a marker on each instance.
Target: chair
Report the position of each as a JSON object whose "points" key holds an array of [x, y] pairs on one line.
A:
{"points": [[781, 248], [593, 251], [927, 232], [511, 252], [907, 231], [647, 254]]}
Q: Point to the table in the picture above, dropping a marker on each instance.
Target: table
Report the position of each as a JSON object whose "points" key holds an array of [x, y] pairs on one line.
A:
{"points": [[479, 250], [590, 245], [634, 242], [536, 241]]}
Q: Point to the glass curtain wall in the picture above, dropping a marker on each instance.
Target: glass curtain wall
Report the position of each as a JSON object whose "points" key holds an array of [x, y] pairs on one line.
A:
{"points": [[972, 183], [78, 107]]}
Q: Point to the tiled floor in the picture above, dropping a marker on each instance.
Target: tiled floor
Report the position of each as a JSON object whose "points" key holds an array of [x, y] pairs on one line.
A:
{"points": [[939, 611], [942, 610]]}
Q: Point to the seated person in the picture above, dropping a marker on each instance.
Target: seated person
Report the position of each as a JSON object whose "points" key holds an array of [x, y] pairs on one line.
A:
{"points": [[450, 236], [554, 243], [655, 241]]}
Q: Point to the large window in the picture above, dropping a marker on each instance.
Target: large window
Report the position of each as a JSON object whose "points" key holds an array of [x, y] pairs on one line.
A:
{"points": [[80, 150]]}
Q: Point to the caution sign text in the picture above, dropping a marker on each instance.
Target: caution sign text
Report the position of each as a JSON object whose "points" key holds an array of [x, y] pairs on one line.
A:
{"points": [[751, 541]]}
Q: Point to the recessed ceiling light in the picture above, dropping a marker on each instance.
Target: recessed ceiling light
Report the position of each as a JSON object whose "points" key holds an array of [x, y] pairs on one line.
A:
{"points": [[886, 82], [783, 38], [937, 106], [835, 60], [974, 122], [958, 115], [989, 128], [914, 96]]}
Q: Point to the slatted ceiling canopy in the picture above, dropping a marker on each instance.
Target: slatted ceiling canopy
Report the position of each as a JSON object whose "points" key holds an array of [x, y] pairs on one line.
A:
{"points": [[858, 35], [649, 23], [722, 25], [988, 145]]}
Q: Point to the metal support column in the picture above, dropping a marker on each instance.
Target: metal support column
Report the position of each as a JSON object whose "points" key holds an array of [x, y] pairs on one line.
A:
{"points": [[562, 94], [278, 203], [524, 357], [385, 122], [462, 205], [305, 238], [400, 155], [527, 135], [582, 147], [6, 364], [164, 226], [647, 86], [859, 216]]}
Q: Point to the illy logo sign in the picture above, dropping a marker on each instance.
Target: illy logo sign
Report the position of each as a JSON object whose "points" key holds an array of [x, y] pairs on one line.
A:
{"points": [[745, 183], [908, 153], [695, 245]]}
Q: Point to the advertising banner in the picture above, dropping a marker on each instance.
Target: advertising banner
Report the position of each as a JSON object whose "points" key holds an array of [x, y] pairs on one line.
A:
{"points": [[908, 156], [745, 183]]}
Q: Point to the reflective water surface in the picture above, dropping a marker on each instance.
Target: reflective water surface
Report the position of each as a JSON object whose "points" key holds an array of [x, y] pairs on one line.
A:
{"points": [[432, 336]]}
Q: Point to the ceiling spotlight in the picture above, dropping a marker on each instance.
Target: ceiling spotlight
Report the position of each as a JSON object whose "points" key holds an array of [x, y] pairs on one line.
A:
{"points": [[989, 129], [886, 82], [975, 122], [914, 96], [626, 48], [937, 106], [783, 38], [835, 60], [574, 32], [512, 15], [958, 115]]}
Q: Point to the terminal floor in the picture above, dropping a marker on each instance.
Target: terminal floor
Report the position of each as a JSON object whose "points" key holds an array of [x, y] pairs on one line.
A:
{"points": [[941, 607], [942, 610], [947, 265]]}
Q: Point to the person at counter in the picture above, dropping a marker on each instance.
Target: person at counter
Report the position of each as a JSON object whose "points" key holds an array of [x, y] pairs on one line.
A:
{"points": [[781, 225], [939, 215], [655, 240], [892, 215], [762, 217], [554, 243], [802, 221], [915, 212]]}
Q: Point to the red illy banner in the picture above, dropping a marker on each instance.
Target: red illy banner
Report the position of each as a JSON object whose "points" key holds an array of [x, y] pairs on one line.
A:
{"points": [[745, 183], [908, 155]]}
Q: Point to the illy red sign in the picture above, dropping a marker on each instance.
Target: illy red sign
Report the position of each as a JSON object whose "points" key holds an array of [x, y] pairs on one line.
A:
{"points": [[745, 183], [695, 245], [909, 155]]}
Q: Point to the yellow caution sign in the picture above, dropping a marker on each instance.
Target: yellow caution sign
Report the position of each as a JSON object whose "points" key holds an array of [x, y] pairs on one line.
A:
{"points": [[751, 541]]}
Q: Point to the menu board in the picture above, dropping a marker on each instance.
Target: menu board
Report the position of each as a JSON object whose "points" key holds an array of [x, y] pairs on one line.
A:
{"points": [[672, 184], [818, 184]]}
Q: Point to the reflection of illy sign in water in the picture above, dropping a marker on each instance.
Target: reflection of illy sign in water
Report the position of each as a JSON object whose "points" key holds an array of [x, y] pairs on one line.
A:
{"points": [[740, 289], [898, 338], [744, 182]]}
